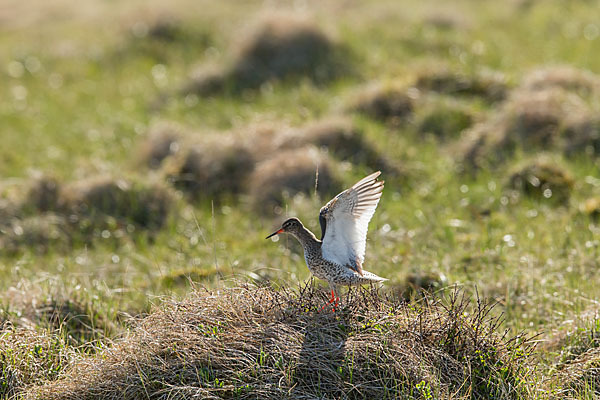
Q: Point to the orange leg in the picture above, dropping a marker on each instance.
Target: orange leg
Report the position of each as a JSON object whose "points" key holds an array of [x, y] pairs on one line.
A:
{"points": [[331, 300]]}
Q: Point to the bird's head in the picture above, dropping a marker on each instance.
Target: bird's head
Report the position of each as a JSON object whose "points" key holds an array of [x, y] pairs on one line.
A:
{"points": [[292, 225]]}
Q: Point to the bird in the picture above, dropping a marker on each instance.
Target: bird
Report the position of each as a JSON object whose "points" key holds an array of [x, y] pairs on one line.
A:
{"points": [[339, 255]]}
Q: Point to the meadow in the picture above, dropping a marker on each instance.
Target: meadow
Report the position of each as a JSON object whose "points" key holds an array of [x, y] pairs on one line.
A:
{"points": [[147, 149]]}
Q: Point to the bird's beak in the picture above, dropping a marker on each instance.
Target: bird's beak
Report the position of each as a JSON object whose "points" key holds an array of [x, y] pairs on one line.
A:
{"points": [[275, 233]]}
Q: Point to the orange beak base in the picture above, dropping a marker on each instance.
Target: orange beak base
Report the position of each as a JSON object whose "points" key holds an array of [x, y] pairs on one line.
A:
{"points": [[275, 233]]}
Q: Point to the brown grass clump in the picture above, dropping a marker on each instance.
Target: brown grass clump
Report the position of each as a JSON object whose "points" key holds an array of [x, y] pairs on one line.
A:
{"points": [[542, 179], [444, 120], [253, 343], [29, 357], [127, 202], [43, 194], [582, 135], [342, 139], [277, 47], [577, 369], [40, 233], [212, 169], [491, 86], [565, 77], [591, 207], [384, 102], [529, 120], [161, 142], [419, 284], [289, 173]]}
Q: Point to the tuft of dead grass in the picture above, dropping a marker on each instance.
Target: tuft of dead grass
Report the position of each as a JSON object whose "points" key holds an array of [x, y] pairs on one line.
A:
{"points": [[250, 342], [488, 85], [528, 120], [212, 169], [581, 135], [342, 139], [39, 233], [391, 102], [277, 46], [576, 371], [542, 179], [289, 173], [444, 119], [43, 194], [565, 77], [162, 141], [417, 285], [104, 198], [29, 357]]}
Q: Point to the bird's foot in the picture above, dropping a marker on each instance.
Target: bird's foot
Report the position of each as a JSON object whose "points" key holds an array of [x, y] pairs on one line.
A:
{"points": [[333, 300]]}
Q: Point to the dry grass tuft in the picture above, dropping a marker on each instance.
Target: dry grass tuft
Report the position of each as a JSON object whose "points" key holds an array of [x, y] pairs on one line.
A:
{"points": [[97, 201], [342, 139], [528, 120], [43, 194], [55, 216], [212, 169], [277, 46], [542, 179], [581, 135], [289, 173], [591, 207], [491, 86], [159, 143], [29, 357], [577, 369], [253, 343], [564, 77], [419, 285], [40, 233], [444, 119], [384, 102]]}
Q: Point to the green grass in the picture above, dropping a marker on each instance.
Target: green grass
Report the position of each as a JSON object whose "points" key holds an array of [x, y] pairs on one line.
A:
{"points": [[80, 92]]}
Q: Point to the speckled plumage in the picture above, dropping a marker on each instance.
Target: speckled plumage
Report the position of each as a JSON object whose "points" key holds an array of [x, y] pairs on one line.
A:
{"points": [[338, 257]]}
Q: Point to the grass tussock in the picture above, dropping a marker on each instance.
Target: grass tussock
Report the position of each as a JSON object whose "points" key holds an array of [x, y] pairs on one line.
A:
{"points": [[343, 140], [445, 119], [543, 179], [39, 233], [565, 77], [488, 85], [529, 120], [305, 170], [29, 357], [576, 369], [384, 102], [55, 215], [260, 343], [276, 47], [591, 207], [214, 168], [416, 285], [160, 142], [102, 199]]}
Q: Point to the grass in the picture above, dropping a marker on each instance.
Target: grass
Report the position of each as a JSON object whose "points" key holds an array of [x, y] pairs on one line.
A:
{"points": [[86, 87]]}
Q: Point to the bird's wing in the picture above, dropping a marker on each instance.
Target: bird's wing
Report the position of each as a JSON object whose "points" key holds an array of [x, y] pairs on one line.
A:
{"points": [[345, 219]]}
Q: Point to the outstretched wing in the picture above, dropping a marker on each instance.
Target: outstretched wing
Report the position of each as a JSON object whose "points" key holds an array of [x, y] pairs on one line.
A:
{"points": [[345, 220]]}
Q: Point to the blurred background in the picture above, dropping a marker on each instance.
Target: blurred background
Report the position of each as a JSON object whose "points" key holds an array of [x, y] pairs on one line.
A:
{"points": [[147, 147]]}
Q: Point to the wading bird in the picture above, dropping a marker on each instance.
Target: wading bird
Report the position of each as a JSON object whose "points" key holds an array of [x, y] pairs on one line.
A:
{"points": [[338, 257]]}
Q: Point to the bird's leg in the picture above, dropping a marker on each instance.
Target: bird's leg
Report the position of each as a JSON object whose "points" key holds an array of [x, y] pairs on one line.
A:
{"points": [[334, 296], [331, 300]]}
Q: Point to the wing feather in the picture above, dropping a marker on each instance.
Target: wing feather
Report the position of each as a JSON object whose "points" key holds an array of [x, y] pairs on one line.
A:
{"points": [[347, 218]]}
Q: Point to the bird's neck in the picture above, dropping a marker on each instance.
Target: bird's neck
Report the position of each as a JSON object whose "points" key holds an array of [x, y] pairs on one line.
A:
{"points": [[307, 239]]}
